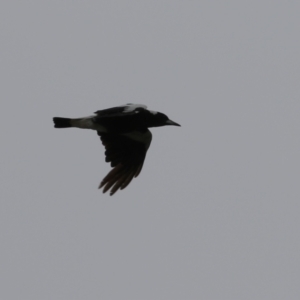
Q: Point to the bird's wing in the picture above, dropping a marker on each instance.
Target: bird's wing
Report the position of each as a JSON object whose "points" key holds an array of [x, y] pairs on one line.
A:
{"points": [[126, 154], [121, 110]]}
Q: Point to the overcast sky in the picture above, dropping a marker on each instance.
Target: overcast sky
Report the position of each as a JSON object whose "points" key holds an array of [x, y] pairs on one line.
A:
{"points": [[214, 213]]}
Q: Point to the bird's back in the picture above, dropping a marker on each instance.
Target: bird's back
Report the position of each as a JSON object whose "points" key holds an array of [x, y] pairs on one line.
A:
{"points": [[118, 121]]}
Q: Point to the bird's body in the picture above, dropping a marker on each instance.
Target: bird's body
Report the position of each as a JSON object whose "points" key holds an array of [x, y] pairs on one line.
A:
{"points": [[124, 133]]}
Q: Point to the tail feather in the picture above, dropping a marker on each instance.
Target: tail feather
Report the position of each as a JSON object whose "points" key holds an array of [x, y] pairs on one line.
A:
{"points": [[62, 122]]}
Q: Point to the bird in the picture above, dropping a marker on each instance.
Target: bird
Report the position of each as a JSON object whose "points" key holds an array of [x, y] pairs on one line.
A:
{"points": [[124, 133]]}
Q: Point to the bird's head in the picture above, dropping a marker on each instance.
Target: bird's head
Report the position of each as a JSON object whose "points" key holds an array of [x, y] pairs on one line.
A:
{"points": [[159, 119]]}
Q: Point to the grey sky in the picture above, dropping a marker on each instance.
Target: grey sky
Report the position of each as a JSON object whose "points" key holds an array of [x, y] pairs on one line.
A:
{"points": [[215, 211]]}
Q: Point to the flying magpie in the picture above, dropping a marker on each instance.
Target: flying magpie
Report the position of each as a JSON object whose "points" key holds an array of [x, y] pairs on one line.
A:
{"points": [[124, 133]]}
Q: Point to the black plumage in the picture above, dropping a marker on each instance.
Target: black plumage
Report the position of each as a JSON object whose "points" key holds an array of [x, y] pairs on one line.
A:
{"points": [[124, 133]]}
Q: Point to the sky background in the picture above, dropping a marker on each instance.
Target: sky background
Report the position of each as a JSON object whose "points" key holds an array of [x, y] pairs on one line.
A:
{"points": [[214, 213]]}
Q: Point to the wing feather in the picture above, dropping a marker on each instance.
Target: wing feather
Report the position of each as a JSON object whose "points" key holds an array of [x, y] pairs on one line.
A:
{"points": [[126, 155]]}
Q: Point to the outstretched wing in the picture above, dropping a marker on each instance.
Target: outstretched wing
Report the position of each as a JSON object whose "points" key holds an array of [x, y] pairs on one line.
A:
{"points": [[126, 154]]}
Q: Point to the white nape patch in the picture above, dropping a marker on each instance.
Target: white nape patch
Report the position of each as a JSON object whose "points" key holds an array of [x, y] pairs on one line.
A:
{"points": [[129, 107], [143, 137], [153, 112]]}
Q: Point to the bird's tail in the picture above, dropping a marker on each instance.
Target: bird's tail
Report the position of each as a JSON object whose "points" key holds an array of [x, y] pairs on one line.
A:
{"points": [[62, 122]]}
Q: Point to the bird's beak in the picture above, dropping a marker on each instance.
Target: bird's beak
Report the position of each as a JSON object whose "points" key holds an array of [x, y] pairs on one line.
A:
{"points": [[169, 122]]}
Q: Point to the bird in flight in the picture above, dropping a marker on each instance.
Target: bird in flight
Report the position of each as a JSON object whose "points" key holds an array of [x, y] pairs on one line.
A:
{"points": [[124, 133]]}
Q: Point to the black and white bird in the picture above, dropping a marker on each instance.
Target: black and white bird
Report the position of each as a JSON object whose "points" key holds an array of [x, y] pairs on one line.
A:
{"points": [[124, 133]]}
